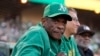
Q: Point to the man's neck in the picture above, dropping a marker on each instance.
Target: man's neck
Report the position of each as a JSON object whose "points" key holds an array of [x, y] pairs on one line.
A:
{"points": [[67, 34]]}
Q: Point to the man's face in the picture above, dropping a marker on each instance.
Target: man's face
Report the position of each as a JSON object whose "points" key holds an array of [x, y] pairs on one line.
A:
{"points": [[74, 24], [55, 26], [83, 39]]}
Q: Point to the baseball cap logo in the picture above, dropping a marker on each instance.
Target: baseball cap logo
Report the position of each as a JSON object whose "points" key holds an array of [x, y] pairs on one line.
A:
{"points": [[62, 8], [86, 28]]}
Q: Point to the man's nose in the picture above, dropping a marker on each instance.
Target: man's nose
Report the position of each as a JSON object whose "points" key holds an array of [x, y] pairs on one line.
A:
{"points": [[78, 23], [61, 27], [87, 37]]}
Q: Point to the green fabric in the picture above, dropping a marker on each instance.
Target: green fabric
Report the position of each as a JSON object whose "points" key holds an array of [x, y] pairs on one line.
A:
{"points": [[70, 46], [35, 42], [46, 1], [55, 9], [55, 46]]}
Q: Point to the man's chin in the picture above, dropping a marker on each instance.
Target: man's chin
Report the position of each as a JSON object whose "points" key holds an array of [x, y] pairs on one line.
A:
{"points": [[57, 37], [84, 46]]}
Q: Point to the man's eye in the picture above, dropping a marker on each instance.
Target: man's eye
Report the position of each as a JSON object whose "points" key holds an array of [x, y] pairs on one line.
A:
{"points": [[75, 20]]}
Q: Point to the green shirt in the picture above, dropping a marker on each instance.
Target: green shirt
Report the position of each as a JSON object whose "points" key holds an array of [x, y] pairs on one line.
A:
{"points": [[70, 46], [36, 42]]}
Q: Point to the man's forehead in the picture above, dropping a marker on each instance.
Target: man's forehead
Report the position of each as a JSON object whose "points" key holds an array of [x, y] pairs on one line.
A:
{"points": [[73, 14]]}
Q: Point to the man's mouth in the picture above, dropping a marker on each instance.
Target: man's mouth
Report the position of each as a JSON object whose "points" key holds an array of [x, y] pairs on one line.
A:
{"points": [[58, 33]]}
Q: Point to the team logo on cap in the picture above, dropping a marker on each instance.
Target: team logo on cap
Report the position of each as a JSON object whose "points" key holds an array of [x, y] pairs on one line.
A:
{"points": [[86, 28], [62, 8]]}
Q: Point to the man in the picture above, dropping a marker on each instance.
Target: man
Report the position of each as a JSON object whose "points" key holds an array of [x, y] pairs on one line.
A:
{"points": [[83, 36], [45, 38], [71, 29]]}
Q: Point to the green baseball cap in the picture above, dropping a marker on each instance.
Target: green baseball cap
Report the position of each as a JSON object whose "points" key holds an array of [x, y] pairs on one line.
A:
{"points": [[56, 9]]}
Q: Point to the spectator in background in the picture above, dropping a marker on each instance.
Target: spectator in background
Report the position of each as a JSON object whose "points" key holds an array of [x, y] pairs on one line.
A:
{"points": [[3, 36], [83, 37], [45, 38], [71, 29]]}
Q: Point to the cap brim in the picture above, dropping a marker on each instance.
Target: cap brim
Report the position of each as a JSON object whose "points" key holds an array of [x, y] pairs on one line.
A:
{"points": [[66, 16], [90, 32]]}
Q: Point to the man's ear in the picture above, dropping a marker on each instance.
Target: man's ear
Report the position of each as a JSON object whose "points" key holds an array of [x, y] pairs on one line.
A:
{"points": [[43, 20]]}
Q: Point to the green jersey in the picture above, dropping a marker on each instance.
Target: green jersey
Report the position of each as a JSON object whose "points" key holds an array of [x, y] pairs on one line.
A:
{"points": [[36, 42], [70, 46]]}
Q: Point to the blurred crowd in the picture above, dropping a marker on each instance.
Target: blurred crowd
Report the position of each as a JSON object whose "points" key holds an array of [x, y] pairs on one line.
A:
{"points": [[95, 44], [10, 31]]}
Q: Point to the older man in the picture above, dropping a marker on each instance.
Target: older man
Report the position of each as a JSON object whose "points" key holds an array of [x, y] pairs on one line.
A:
{"points": [[45, 38], [83, 37]]}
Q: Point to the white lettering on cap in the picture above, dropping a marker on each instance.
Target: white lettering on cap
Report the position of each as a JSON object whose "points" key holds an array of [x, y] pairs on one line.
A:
{"points": [[86, 28], [62, 8]]}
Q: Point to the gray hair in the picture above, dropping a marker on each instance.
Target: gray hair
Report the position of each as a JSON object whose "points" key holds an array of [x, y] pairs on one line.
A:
{"points": [[72, 9]]}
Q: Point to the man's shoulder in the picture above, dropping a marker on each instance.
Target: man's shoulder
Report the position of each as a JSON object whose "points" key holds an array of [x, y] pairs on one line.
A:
{"points": [[89, 50], [36, 28], [33, 35], [34, 32]]}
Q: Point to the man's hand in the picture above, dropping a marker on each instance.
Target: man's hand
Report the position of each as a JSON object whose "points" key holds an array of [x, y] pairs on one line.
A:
{"points": [[61, 54]]}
